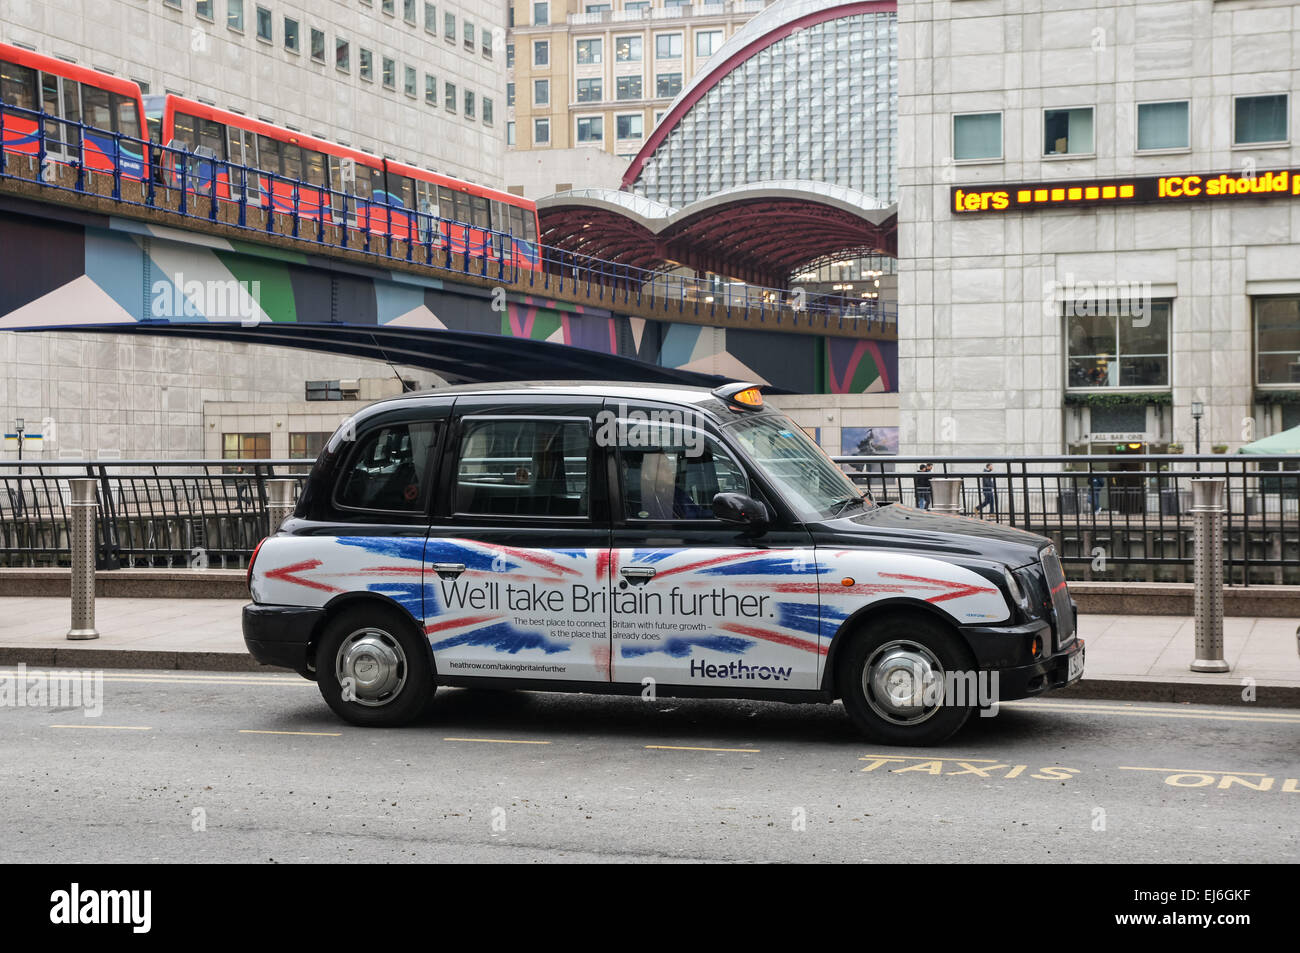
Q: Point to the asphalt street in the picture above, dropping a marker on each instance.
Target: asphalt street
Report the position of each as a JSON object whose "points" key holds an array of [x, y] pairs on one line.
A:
{"points": [[219, 767]]}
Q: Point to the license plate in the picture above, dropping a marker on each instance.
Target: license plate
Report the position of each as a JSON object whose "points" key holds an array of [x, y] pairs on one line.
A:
{"points": [[1076, 667]]}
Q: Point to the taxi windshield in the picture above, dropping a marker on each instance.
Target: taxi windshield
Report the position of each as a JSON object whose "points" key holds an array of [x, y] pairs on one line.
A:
{"points": [[806, 476]]}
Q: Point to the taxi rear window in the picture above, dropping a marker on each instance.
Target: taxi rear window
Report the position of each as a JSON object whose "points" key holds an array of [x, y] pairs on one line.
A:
{"points": [[388, 472]]}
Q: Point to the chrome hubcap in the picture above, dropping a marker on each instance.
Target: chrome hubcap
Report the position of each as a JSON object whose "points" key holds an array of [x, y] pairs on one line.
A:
{"points": [[371, 667], [903, 682]]}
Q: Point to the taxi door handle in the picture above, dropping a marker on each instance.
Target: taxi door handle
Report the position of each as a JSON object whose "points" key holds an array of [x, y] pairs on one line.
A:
{"points": [[637, 574], [448, 569]]}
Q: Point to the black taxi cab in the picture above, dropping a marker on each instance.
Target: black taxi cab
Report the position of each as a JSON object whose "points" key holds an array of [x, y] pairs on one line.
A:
{"points": [[646, 539]]}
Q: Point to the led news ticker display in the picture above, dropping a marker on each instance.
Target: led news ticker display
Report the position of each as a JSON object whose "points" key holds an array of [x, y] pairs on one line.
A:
{"points": [[1152, 189]]}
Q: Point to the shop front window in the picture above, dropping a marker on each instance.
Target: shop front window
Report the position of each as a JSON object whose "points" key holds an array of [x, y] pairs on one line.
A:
{"points": [[1115, 344], [1277, 341]]}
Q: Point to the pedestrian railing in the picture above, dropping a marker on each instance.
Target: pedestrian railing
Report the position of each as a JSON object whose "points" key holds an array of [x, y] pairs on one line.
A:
{"points": [[53, 153], [1108, 523], [172, 514], [1117, 517]]}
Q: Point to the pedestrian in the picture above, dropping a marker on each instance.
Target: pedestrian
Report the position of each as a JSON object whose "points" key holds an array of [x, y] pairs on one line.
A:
{"points": [[1095, 484], [242, 490], [922, 486], [988, 492]]}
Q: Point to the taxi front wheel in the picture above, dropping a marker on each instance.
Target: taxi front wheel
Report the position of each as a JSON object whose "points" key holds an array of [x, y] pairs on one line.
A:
{"points": [[903, 681], [372, 668]]}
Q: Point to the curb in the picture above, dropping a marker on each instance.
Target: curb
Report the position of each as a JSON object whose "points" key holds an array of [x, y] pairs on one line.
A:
{"points": [[1109, 689]]}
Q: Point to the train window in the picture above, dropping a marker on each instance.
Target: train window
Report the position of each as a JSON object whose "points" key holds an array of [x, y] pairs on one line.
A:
{"points": [[463, 213], [268, 154], [96, 107], [530, 226], [212, 135], [127, 114], [18, 85], [72, 103], [183, 129], [479, 209], [361, 186], [516, 222], [291, 160], [402, 191], [314, 163], [446, 202]]}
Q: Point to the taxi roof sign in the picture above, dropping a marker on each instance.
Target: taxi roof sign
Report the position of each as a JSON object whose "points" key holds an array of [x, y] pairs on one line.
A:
{"points": [[742, 396]]}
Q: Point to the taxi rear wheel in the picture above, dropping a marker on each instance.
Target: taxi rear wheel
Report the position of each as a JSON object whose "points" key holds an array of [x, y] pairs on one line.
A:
{"points": [[896, 678], [372, 668]]}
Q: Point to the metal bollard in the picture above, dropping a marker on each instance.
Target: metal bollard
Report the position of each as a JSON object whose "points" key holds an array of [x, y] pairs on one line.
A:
{"points": [[84, 512], [947, 495], [1207, 511], [280, 503]]}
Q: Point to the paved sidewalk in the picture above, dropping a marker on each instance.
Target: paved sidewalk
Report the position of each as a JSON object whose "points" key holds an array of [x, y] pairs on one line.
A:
{"points": [[1135, 658]]}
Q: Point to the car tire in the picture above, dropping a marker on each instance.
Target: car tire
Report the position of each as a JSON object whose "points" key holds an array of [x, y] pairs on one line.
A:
{"points": [[388, 664], [882, 680]]}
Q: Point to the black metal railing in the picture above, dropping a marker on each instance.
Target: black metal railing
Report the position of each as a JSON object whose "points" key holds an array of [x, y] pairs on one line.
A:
{"points": [[1111, 518], [1117, 517], [73, 157], [152, 513]]}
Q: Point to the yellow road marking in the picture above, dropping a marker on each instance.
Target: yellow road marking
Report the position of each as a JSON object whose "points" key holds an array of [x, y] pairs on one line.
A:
{"points": [[500, 741], [1240, 774], [690, 748], [265, 731], [1131, 709], [114, 727], [924, 757]]}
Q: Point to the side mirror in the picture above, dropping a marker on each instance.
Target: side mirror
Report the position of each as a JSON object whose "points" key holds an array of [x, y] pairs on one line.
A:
{"points": [[739, 508]]}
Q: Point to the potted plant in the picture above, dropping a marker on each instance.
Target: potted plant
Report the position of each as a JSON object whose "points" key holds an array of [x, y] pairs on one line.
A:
{"points": [[1174, 448], [1220, 448]]}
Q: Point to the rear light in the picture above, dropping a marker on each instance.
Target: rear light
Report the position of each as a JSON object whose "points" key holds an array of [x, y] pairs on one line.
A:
{"points": [[248, 576]]}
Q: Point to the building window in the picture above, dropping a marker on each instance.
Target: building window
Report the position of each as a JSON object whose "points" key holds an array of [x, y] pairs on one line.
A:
{"points": [[486, 42], [977, 136], [264, 25], [324, 390], [487, 111], [597, 8], [176, 4], [431, 89], [1117, 343], [668, 46], [318, 45], [588, 52], [541, 92], [431, 18], [542, 53], [510, 133], [541, 14], [203, 10], [389, 73], [636, 6], [469, 104], [408, 81], [707, 42], [408, 11], [449, 96], [469, 36], [1259, 119], [630, 127], [510, 94], [235, 15], [541, 132], [510, 56], [307, 446], [342, 55], [628, 49], [589, 91], [389, 7], [668, 85], [591, 129], [1163, 126], [1277, 341], [628, 87], [449, 27], [1067, 132], [246, 446], [366, 64], [291, 35]]}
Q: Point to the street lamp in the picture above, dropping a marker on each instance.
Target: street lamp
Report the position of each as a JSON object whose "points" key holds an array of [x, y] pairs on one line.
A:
{"points": [[1198, 411], [20, 424]]}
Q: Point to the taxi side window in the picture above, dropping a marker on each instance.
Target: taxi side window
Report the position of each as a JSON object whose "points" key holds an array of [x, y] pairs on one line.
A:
{"points": [[678, 482], [524, 467], [388, 471]]}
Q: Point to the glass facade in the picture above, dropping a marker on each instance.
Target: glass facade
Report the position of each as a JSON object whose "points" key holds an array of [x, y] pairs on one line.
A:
{"points": [[820, 104]]}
